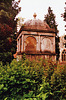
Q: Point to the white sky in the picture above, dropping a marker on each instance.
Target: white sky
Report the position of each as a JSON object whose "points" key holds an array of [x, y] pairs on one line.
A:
{"points": [[40, 7]]}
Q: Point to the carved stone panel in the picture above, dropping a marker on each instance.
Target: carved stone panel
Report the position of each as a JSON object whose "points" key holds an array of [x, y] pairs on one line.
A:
{"points": [[46, 44]]}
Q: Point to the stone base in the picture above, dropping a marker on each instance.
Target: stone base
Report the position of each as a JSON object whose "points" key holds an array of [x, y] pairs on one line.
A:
{"points": [[37, 56]]}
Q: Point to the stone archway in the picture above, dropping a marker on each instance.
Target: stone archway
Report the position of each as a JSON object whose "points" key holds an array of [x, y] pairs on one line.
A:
{"points": [[30, 44], [64, 55]]}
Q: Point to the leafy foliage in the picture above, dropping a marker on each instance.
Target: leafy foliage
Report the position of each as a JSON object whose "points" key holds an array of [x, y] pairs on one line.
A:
{"points": [[8, 10], [64, 13], [64, 16], [32, 80]]}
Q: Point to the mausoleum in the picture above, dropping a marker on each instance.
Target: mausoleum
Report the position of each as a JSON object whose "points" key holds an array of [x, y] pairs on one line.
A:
{"points": [[36, 39]]}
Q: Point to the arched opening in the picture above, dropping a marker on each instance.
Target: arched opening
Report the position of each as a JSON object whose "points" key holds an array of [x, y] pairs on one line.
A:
{"points": [[64, 55], [30, 44]]}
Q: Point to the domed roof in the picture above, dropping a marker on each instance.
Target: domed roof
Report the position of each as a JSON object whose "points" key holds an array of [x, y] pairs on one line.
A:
{"points": [[36, 22], [36, 25]]}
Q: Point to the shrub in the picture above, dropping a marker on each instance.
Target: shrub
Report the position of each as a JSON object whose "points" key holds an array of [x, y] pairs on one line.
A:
{"points": [[55, 88], [19, 78], [32, 80], [58, 83]]}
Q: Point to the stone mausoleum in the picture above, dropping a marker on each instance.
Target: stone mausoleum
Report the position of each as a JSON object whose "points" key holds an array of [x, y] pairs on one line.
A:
{"points": [[36, 39]]}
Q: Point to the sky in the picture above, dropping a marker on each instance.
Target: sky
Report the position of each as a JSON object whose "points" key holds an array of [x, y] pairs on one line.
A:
{"points": [[40, 7]]}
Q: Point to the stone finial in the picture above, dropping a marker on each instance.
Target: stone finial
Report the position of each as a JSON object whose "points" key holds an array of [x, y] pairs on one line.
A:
{"points": [[34, 15]]}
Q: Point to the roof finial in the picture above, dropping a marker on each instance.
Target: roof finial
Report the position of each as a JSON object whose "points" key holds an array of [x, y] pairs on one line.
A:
{"points": [[34, 15]]}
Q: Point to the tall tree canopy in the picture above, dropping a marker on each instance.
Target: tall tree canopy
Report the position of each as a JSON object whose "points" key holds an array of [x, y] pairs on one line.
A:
{"points": [[50, 20], [65, 13], [8, 11]]}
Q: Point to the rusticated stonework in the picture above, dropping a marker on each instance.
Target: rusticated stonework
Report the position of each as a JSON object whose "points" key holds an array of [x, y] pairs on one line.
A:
{"points": [[36, 39]]}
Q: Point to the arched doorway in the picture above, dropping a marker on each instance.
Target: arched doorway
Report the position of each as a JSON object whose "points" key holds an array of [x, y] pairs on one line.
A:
{"points": [[30, 44], [64, 55]]}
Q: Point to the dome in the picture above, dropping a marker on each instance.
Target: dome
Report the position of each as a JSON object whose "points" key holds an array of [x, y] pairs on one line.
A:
{"points": [[36, 25]]}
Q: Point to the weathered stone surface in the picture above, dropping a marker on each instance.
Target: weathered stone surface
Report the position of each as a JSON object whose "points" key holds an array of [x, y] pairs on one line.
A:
{"points": [[36, 39], [62, 49]]}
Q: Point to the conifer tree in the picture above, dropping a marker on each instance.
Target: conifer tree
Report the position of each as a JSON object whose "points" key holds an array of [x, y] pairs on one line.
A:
{"points": [[50, 20], [65, 13], [8, 11]]}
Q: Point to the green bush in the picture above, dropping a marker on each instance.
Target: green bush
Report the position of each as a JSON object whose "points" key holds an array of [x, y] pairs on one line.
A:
{"points": [[32, 80], [19, 78], [58, 83]]}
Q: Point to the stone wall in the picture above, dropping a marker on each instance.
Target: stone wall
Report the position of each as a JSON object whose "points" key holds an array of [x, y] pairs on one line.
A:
{"points": [[36, 44]]}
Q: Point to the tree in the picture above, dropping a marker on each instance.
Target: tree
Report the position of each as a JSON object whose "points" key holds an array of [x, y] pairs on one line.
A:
{"points": [[50, 20], [65, 14], [8, 11]]}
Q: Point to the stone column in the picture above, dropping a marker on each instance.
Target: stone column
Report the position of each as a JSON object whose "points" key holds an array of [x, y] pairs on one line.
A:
{"points": [[39, 43], [60, 58], [19, 45], [22, 43]]}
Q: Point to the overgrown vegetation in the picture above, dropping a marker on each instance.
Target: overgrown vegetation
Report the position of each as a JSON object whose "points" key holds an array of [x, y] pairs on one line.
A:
{"points": [[32, 80]]}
